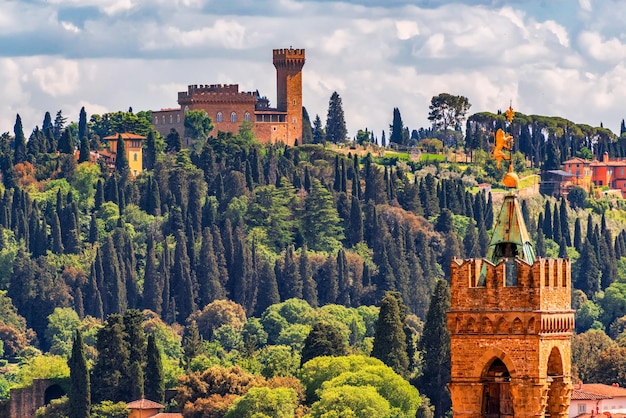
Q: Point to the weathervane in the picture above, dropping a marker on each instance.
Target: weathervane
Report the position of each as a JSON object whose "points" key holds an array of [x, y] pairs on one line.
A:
{"points": [[504, 141]]}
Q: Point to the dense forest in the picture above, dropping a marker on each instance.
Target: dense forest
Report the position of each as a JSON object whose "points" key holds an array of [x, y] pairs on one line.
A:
{"points": [[261, 280]]}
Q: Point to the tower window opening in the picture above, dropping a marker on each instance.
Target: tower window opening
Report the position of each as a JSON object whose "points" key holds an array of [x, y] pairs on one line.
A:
{"points": [[233, 117], [247, 117], [219, 117]]}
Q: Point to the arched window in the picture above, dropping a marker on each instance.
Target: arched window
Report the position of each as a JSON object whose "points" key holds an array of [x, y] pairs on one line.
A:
{"points": [[156, 120], [233, 117], [171, 118], [186, 109], [294, 120], [247, 117], [135, 156], [178, 118], [220, 118], [163, 118]]}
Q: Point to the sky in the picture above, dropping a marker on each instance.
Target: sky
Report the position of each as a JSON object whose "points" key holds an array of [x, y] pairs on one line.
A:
{"points": [[548, 57]]}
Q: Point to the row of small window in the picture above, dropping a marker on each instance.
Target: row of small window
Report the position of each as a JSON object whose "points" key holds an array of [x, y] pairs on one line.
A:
{"points": [[156, 119], [233, 117]]}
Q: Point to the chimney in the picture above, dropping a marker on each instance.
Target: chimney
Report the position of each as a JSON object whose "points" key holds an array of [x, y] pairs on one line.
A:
{"points": [[580, 385], [605, 157], [615, 385]]}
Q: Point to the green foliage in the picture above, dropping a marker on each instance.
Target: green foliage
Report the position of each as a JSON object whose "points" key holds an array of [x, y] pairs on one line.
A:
{"points": [[198, 125], [108, 409], [320, 224], [351, 402], [80, 394], [390, 340], [586, 351], [278, 360], [264, 402], [139, 123], [62, 325], [43, 367], [57, 408], [323, 340]]}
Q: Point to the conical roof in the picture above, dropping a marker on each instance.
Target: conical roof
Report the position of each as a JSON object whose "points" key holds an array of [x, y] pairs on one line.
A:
{"points": [[510, 237]]}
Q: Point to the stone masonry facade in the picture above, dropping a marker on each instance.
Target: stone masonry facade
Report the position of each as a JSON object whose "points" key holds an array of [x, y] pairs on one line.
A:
{"points": [[228, 108], [524, 329]]}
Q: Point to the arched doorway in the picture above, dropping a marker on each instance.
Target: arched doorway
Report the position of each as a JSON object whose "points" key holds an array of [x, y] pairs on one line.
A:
{"points": [[558, 401], [497, 400], [53, 392]]}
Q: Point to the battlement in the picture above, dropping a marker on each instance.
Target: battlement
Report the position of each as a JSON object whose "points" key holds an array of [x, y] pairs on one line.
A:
{"points": [[288, 53], [511, 284], [213, 92]]}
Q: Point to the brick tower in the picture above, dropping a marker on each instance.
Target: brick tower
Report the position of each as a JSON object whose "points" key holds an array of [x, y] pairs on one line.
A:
{"points": [[289, 63], [510, 324]]}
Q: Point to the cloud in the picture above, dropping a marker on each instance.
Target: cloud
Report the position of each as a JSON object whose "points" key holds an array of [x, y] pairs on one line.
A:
{"points": [[378, 54]]}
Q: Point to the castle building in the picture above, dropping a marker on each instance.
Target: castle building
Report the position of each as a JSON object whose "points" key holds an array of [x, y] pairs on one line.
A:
{"points": [[510, 324], [228, 108]]}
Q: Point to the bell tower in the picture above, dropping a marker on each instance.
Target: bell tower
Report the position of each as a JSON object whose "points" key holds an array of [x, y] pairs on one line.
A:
{"points": [[510, 324], [289, 63]]}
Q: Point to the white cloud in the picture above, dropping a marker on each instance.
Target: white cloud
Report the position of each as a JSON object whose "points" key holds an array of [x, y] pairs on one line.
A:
{"points": [[57, 80], [406, 29], [585, 5]]}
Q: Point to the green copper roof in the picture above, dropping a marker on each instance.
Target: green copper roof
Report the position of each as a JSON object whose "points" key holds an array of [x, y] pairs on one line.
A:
{"points": [[510, 237]]}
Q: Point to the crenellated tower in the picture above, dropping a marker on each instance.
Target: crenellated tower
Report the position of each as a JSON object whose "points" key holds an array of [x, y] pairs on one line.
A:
{"points": [[510, 322], [289, 63]]}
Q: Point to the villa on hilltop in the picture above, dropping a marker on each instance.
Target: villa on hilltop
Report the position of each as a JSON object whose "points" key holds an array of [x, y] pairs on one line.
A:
{"points": [[228, 108]]}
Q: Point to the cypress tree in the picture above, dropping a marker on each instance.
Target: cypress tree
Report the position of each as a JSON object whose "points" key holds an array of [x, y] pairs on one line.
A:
{"points": [[588, 279], [19, 155], [562, 248], [80, 394], [335, 123], [389, 338], [556, 225], [136, 343], [152, 282], [84, 156], [470, 241], [540, 244], [268, 288], [82, 123], [181, 283], [397, 128], [309, 287], [207, 273], [547, 221], [343, 278], [435, 348], [323, 340], [121, 160], [489, 213], [114, 300], [564, 223], [290, 282], [150, 154], [109, 374], [578, 242], [66, 143], [55, 229], [326, 279], [355, 234], [154, 384], [99, 196], [241, 279]]}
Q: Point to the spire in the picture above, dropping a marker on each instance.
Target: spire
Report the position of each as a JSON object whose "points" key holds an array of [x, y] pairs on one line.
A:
{"points": [[510, 238]]}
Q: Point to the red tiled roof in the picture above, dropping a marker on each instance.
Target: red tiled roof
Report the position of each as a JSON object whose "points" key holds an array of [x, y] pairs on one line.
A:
{"points": [[144, 404], [604, 390], [581, 395], [576, 160], [125, 135], [168, 415]]}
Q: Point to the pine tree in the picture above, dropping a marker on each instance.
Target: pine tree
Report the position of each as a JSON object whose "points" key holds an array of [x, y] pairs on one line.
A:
{"points": [[19, 146], [154, 384], [389, 338], [319, 136], [336, 131], [80, 394], [323, 340], [289, 281], [435, 348]]}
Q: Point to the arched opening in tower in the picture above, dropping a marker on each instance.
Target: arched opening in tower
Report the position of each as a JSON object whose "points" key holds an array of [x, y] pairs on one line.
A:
{"points": [[497, 400], [558, 403]]}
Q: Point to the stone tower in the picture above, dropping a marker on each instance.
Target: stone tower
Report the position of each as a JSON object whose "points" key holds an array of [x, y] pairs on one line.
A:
{"points": [[289, 63], [510, 325]]}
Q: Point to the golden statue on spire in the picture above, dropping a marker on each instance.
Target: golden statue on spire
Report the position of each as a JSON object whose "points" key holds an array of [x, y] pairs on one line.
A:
{"points": [[504, 141]]}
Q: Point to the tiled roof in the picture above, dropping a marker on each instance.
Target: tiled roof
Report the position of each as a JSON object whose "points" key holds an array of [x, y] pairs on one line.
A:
{"points": [[125, 135], [576, 160], [168, 415], [144, 404], [607, 391], [581, 395]]}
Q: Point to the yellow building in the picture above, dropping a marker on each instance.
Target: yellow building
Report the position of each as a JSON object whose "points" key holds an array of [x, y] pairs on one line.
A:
{"points": [[133, 146]]}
